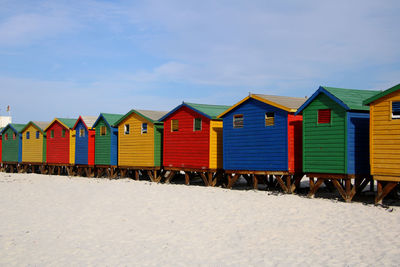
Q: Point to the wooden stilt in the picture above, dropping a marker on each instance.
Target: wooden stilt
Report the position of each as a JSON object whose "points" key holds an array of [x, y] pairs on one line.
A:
{"points": [[212, 179], [137, 175], [382, 192], [314, 187], [150, 176], [170, 176], [281, 183], [205, 180], [255, 181], [232, 178], [187, 178]]}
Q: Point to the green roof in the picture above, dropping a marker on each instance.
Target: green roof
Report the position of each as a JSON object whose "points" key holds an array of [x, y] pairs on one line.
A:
{"points": [[16, 126], [69, 122], [351, 97], [211, 110], [112, 118], [382, 94]]}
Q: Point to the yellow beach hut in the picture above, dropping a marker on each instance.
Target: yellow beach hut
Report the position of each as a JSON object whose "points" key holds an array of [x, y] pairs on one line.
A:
{"points": [[385, 140], [140, 142]]}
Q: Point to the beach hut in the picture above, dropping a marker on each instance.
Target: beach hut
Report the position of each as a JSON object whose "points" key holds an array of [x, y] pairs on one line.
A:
{"points": [[193, 141], [34, 145], [84, 144], [336, 139], [106, 144], [60, 150], [12, 145], [385, 140], [262, 137], [140, 143]]}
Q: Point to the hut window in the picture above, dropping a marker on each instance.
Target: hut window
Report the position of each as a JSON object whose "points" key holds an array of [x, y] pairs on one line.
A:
{"points": [[396, 110], [174, 125], [103, 130], [63, 133], [126, 128], [324, 116], [238, 121], [6, 136], [197, 124], [52, 134], [144, 128], [81, 132], [14, 136], [269, 119], [27, 135], [37, 134]]}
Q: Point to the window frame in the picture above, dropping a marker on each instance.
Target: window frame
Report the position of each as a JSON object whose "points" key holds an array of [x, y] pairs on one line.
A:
{"points": [[14, 136], [268, 119], [6, 137], [127, 129], [27, 135], [394, 117], [51, 133], [101, 130], [194, 124], [37, 134], [63, 133], [318, 116], [172, 125], [235, 120], [81, 132], [143, 131]]}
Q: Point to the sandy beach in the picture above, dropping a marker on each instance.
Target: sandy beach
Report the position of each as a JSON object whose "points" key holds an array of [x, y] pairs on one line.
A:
{"points": [[62, 221]]}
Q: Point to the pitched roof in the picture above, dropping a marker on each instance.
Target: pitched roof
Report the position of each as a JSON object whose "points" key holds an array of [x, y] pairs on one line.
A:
{"points": [[15, 126], [290, 104], [381, 94], [68, 123], [349, 99], [87, 120], [150, 115], [40, 125], [110, 119], [209, 111]]}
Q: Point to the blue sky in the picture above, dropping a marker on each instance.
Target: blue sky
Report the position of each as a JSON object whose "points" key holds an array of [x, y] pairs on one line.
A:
{"points": [[71, 58]]}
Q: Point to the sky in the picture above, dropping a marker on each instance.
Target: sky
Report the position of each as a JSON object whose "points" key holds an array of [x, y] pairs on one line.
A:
{"points": [[71, 58]]}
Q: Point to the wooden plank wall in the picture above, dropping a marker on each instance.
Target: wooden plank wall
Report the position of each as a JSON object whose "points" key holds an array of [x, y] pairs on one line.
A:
{"points": [[32, 147], [358, 143], [136, 149], [216, 144], [10, 147], [102, 145], [186, 147], [324, 145], [256, 146], [385, 137], [58, 148]]}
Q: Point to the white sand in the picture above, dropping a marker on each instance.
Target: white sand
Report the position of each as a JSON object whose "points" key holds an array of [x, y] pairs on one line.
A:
{"points": [[58, 221]]}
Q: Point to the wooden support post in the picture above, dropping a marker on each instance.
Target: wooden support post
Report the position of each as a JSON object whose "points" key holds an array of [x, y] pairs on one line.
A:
{"points": [[58, 170], [212, 179], [289, 184], [382, 192], [205, 180], [151, 176], [255, 181], [232, 178], [169, 177], [187, 178], [137, 175], [281, 183], [314, 187]]}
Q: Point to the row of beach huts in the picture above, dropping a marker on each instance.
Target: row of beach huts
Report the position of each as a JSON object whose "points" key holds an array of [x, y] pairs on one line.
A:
{"points": [[344, 138]]}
